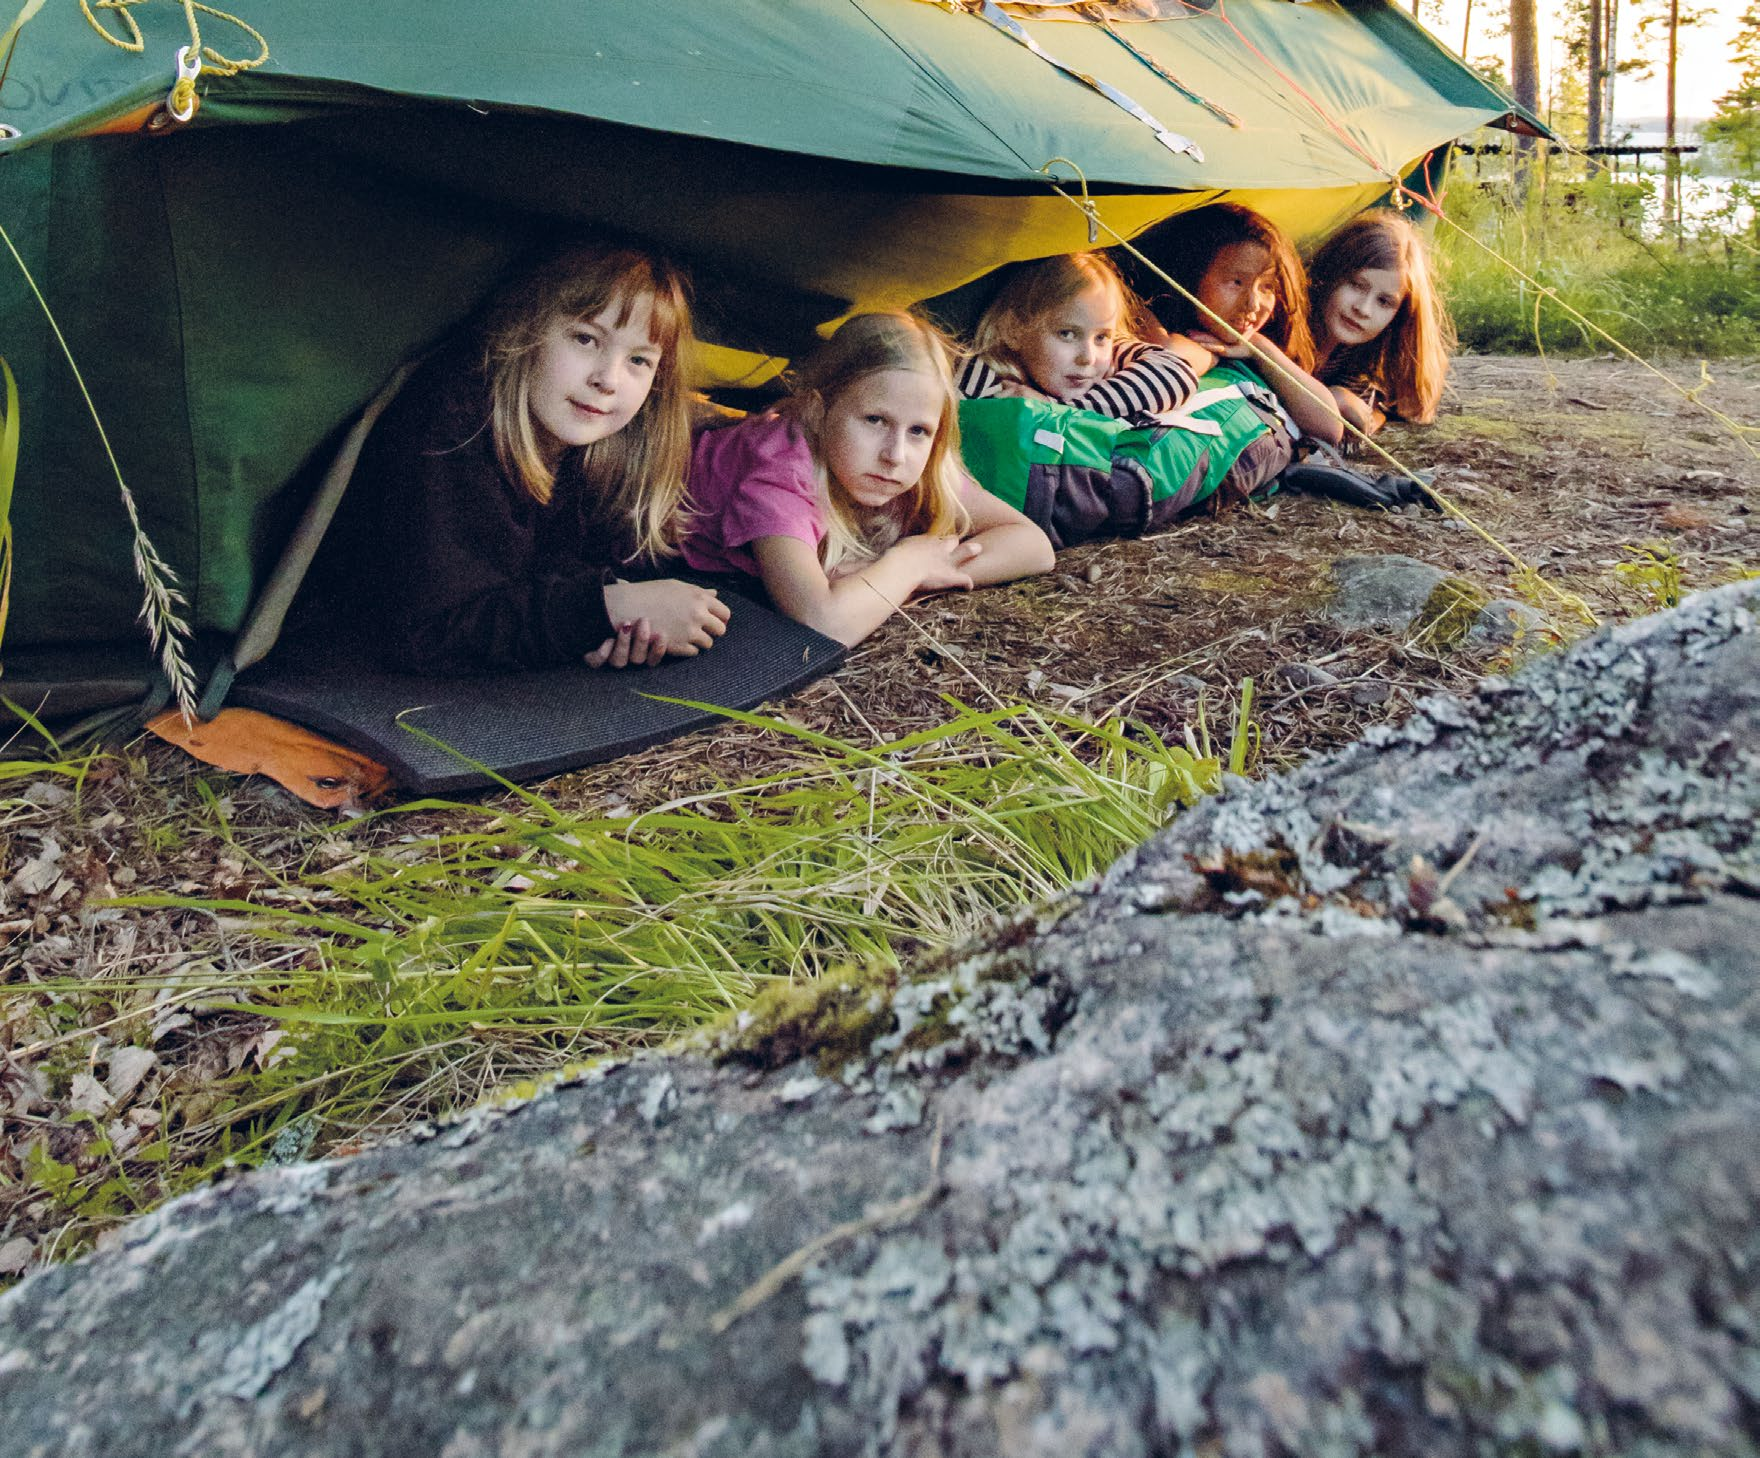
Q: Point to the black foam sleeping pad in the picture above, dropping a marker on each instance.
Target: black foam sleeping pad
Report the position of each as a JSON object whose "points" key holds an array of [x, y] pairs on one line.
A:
{"points": [[1369, 489], [529, 724]]}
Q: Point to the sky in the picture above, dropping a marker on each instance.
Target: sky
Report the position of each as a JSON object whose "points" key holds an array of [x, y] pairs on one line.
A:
{"points": [[1706, 69]]}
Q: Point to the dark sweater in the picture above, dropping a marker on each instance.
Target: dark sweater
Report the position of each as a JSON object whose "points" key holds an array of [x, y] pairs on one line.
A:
{"points": [[459, 568]]}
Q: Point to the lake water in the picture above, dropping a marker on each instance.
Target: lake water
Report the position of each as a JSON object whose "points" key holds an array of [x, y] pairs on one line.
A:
{"points": [[1708, 204]]}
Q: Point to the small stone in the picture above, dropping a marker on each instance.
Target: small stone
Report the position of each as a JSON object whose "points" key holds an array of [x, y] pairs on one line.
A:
{"points": [[1385, 592], [1503, 620], [16, 1256], [1093, 573], [1372, 693], [1304, 675]]}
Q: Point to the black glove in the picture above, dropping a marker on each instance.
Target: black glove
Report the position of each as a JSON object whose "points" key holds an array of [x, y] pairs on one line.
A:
{"points": [[1383, 489]]}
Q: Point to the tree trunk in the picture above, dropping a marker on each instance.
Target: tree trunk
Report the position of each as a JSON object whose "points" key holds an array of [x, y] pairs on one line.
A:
{"points": [[1524, 74], [1593, 130], [1671, 162], [1609, 64]]}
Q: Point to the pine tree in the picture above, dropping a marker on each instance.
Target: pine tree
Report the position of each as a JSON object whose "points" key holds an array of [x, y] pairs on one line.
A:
{"points": [[1732, 135]]}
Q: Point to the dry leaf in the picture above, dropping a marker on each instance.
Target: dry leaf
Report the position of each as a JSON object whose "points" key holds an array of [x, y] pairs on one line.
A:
{"points": [[1683, 518], [123, 1135], [128, 1066], [39, 873], [89, 1096], [264, 1049]]}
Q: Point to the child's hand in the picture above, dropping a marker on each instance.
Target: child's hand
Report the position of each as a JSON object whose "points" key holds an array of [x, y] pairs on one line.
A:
{"points": [[1020, 390], [633, 643], [939, 562], [682, 619], [1240, 348]]}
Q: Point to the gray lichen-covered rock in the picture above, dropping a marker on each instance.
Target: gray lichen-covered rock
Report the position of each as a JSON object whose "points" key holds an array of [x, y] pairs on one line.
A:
{"points": [[1404, 1105], [1399, 594]]}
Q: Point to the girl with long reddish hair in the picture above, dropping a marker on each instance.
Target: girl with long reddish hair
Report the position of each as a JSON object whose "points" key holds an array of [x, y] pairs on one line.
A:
{"points": [[1382, 337]]}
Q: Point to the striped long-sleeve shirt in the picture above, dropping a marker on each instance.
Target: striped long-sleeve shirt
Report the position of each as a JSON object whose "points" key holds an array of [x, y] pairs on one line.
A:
{"points": [[1146, 380]]}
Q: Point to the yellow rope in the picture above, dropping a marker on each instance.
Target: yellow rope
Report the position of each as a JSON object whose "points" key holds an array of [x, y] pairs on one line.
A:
{"points": [[1735, 427], [212, 61], [1529, 573]]}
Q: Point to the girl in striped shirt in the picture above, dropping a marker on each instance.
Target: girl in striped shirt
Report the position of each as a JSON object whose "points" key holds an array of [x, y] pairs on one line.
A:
{"points": [[1060, 330]]}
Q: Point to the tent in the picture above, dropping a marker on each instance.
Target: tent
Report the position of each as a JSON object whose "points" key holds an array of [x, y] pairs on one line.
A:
{"points": [[235, 286]]}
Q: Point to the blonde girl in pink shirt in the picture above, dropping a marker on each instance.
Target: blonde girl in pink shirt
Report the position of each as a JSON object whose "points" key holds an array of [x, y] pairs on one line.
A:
{"points": [[849, 498]]}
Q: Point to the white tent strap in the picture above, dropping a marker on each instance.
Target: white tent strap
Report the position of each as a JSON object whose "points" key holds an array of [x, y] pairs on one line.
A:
{"points": [[992, 13]]}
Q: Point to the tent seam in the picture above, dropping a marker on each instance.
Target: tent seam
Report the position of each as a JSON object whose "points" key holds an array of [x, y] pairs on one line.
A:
{"points": [[945, 90]]}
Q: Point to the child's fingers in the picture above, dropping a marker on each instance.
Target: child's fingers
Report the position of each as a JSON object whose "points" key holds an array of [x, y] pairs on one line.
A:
{"points": [[620, 647], [718, 609], [641, 642], [596, 659], [965, 552]]}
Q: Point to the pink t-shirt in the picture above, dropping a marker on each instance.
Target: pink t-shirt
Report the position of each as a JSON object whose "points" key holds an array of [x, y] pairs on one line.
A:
{"points": [[750, 480]]}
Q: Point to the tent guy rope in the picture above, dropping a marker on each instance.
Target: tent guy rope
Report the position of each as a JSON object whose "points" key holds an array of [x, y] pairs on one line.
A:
{"points": [[1741, 431], [1530, 573]]}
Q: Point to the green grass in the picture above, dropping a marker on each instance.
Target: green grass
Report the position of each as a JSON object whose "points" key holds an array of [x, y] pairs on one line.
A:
{"points": [[522, 935], [1699, 300]]}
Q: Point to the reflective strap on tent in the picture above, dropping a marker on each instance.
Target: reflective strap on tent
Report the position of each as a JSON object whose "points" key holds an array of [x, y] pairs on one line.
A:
{"points": [[1173, 141], [1221, 113]]}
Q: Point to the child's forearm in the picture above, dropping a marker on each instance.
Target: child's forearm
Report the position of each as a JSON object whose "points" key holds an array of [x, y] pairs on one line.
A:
{"points": [[1357, 411], [1310, 403], [1201, 360], [1013, 550], [853, 606], [1149, 379]]}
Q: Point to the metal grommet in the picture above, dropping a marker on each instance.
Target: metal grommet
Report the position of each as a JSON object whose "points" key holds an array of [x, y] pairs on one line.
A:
{"points": [[9, 133]]}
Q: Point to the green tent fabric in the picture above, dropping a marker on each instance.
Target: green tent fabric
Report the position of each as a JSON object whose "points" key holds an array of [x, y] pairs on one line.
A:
{"points": [[234, 288]]}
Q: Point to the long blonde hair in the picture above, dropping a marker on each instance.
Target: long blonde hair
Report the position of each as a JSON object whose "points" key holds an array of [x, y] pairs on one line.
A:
{"points": [[639, 471], [1409, 358], [867, 344], [1035, 292]]}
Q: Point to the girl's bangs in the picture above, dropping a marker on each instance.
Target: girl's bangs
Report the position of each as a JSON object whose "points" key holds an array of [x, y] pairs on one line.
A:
{"points": [[621, 290]]}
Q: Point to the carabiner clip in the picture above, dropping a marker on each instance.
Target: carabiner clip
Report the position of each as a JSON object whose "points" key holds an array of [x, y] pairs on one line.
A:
{"points": [[181, 104]]}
